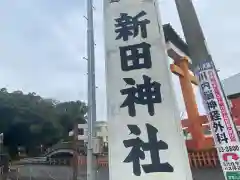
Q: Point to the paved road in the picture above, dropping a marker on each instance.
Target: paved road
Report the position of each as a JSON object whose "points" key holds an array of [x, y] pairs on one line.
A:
{"points": [[42, 172]]}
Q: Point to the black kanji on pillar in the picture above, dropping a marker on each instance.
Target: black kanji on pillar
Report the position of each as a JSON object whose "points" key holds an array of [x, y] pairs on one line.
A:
{"points": [[139, 147], [136, 56], [147, 93], [129, 26]]}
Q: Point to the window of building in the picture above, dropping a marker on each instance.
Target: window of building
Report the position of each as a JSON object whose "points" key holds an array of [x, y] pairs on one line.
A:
{"points": [[81, 131]]}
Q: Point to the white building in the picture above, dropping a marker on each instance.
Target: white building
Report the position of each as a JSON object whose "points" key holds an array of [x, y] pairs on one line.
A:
{"points": [[231, 85], [101, 129]]}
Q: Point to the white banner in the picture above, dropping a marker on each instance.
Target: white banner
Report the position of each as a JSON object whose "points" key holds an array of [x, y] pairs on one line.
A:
{"points": [[220, 120], [145, 136]]}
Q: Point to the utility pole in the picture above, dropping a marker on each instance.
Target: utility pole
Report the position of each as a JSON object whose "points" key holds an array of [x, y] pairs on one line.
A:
{"points": [[196, 41], [75, 151], [1, 163], [204, 68], [91, 91], [194, 36]]}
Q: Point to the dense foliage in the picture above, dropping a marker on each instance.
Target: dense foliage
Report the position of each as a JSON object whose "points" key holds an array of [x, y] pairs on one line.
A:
{"points": [[30, 121]]}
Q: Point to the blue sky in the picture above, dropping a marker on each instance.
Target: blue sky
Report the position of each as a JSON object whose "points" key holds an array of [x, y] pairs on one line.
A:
{"points": [[42, 43]]}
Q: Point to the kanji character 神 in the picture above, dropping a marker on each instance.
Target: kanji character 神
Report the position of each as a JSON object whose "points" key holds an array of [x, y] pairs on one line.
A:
{"points": [[212, 105], [147, 93]]}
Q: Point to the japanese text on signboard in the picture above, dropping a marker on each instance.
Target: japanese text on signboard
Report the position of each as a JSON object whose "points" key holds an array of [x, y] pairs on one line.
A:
{"points": [[134, 57], [212, 105], [147, 93]]}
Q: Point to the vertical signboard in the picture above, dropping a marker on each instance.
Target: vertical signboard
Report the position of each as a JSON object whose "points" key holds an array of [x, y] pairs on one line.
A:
{"points": [[145, 136], [224, 133]]}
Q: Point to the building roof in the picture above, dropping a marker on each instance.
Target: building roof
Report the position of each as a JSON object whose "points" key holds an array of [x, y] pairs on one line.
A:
{"points": [[171, 35], [231, 86]]}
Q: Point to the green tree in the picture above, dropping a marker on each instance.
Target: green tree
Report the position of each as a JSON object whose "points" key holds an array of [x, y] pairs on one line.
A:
{"points": [[29, 120], [70, 113]]}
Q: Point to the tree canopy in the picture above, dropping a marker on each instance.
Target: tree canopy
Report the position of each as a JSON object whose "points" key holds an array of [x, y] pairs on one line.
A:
{"points": [[30, 121]]}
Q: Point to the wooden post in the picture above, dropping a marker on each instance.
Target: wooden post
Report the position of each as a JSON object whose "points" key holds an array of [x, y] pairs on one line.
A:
{"points": [[181, 69]]}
